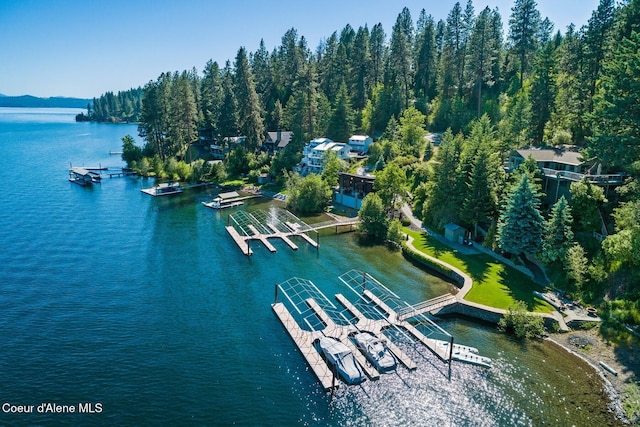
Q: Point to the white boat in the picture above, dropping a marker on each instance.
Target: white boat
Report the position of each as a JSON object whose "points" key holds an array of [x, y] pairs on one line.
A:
{"points": [[342, 358], [220, 203], [376, 350], [164, 189], [463, 353]]}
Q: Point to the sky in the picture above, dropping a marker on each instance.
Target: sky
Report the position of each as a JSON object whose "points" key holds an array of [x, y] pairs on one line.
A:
{"points": [[85, 48]]}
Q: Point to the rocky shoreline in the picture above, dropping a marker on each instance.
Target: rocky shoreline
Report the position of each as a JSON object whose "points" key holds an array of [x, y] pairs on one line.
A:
{"points": [[591, 347]]}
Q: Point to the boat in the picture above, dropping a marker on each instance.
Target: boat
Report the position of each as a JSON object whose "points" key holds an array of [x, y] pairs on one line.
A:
{"points": [[220, 203], [376, 350], [164, 189], [463, 353], [341, 357], [82, 176]]}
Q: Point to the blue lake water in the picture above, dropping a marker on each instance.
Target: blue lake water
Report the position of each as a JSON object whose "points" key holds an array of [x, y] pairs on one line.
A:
{"points": [[145, 308]]}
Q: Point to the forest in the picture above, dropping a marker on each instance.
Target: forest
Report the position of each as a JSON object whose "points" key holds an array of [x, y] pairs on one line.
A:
{"points": [[487, 92]]}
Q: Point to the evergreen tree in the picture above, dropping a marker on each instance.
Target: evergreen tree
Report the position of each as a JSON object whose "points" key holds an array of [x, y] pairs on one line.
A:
{"points": [[443, 201], [361, 69], [426, 52], [250, 121], [616, 115], [521, 224], [400, 60], [484, 53], [523, 31], [228, 119], [558, 237], [183, 115], [480, 200], [212, 96], [542, 91], [341, 124], [377, 53]]}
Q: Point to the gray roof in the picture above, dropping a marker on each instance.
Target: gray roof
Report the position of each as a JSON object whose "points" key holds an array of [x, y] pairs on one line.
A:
{"points": [[552, 155]]}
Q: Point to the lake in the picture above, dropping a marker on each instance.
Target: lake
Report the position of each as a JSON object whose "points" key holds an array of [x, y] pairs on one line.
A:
{"points": [[138, 310]]}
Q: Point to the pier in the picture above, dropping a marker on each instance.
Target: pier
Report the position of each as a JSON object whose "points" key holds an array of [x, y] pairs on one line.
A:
{"points": [[264, 225], [375, 312]]}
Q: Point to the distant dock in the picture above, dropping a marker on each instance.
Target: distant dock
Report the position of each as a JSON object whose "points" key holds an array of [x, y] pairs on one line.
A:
{"points": [[276, 223]]}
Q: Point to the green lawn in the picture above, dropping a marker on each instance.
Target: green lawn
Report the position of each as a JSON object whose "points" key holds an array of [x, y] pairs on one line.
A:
{"points": [[494, 284]]}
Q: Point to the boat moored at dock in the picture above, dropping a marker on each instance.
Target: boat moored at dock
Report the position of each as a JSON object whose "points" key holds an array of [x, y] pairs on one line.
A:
{"points": [[226, 200], [82, 176], [376, 350], [341, 357], [164, 189]]}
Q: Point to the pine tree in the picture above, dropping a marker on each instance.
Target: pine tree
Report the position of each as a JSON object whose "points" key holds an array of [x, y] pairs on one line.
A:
{"points": [[426, 52], [543, 89], [616, 116], [341, 124], [228, 119], [400, 59], [558, 237], [523, 31], [520, 225], [250, 120], [484, 54], [443, 201]]}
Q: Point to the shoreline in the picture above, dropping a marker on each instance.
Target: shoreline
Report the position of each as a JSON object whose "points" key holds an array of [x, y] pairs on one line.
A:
{"points": [[594, 349], [587, 345]]}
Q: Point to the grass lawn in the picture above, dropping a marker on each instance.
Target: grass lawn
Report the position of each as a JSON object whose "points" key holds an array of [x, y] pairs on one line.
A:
{"points": [[494, 284]]}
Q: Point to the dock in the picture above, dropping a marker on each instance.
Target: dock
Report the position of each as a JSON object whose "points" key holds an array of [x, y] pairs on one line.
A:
{"points": [[304, 341], [262, 226], [242, 243], [323, 318]]}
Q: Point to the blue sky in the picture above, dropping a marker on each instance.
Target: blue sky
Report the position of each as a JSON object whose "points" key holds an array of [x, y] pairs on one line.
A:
{"points": [[85, 48]]}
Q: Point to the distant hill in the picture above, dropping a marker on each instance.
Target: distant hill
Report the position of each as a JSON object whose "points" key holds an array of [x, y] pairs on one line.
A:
{"points": [[28, 101]]}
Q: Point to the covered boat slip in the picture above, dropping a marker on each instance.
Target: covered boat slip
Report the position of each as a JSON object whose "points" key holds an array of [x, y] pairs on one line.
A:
{"points": [[307, 314], [263, 225]]}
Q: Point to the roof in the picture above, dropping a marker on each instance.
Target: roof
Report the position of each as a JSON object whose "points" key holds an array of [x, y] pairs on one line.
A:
{"points": [[552, 155], [320, 140], [333, 146], [453, 227], [359, 138]]}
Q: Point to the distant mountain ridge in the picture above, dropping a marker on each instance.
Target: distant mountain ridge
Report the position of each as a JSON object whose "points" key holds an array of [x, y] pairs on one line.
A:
{"points": [[28, 101]]}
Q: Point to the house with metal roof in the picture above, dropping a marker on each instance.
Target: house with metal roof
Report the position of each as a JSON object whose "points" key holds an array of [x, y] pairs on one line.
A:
{"points": [[563, 165]]}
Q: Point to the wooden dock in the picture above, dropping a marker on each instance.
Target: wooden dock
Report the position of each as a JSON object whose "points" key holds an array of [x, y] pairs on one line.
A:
{"points": [[242, 243], [262, 237], [304, 341]]}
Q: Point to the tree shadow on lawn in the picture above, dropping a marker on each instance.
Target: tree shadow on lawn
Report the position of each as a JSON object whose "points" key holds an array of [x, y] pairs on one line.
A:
{"points": [[476, 266], [520, 287]]}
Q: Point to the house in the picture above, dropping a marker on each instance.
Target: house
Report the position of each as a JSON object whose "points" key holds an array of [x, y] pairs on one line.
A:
{"points": [[314, 153], [561, 166], [352, 189], [360, 143], [276, 140]]}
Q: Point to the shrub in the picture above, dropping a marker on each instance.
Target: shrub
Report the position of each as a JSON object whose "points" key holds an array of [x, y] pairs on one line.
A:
{"points": [[521, 323]]}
